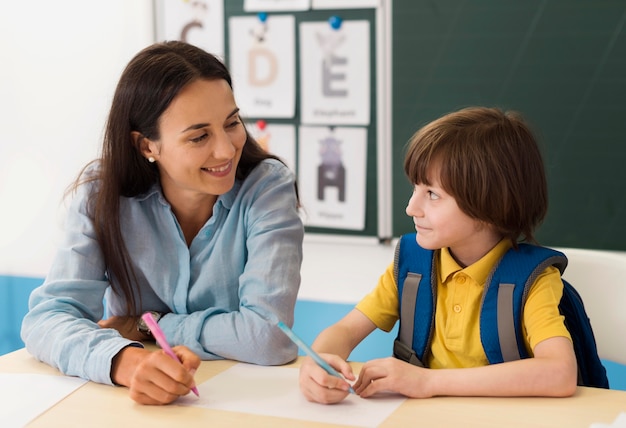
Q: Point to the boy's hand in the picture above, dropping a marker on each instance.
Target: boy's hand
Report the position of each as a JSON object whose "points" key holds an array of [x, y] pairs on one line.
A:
{"points": [[392, 375], [321, 387]]}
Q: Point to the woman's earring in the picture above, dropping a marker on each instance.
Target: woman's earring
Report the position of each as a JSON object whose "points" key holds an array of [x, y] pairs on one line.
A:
{"points": [[151, 159]]}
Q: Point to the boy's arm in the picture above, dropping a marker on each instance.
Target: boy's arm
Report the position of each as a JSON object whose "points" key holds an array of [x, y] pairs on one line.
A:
{"points": [[343, 336], [552, 372]]}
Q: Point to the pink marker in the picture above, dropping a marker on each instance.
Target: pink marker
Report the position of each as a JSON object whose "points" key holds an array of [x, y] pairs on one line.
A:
{"points": [[159, 336]]}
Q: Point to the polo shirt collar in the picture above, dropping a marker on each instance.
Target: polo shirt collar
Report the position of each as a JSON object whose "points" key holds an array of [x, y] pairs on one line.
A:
{"points": [[477, 271]]}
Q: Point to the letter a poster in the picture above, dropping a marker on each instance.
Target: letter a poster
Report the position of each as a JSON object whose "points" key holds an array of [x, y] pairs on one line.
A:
{"points": [[262, 64], [332, 176], [335, 73]]}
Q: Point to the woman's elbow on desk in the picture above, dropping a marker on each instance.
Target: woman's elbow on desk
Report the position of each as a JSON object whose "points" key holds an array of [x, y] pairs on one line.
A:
{"points": [[277, 355]]}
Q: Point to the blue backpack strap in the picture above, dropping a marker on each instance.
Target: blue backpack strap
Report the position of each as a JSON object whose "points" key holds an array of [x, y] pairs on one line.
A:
{"points": [[506, 290], [417, 293]]}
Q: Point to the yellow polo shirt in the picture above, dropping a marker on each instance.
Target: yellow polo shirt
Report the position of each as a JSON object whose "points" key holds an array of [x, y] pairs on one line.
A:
{"points": [[456, 341]]}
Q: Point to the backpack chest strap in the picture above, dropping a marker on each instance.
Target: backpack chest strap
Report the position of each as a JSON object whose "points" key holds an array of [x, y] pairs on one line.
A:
{"points": [[504, 297], [417, 295]]}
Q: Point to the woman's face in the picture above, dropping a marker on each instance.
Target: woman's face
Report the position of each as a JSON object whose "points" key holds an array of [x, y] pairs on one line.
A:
{"points": [[202, 137]]}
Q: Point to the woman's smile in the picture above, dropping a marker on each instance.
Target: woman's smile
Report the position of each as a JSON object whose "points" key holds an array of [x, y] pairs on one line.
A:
{"points": [[219, 171]]}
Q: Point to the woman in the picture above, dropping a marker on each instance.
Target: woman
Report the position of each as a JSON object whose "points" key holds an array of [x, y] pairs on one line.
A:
{"points": [[183, 215]]}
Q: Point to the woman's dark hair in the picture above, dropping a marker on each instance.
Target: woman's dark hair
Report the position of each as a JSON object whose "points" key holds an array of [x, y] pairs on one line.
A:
{"points": [[489, 161], [147, 86]]}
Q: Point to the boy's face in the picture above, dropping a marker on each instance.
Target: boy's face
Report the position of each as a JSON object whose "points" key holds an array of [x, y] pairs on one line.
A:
{"points": [[439, 223]]}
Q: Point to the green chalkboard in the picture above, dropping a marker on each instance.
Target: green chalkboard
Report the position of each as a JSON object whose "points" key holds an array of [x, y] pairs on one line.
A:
{"points": [[561, 63], [235, 8]]}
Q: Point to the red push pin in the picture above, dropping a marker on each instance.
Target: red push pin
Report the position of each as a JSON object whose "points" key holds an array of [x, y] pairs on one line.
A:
{"points": [[263, 137]]}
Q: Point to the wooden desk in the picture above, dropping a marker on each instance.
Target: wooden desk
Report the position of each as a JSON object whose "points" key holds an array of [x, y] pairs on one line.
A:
{"points": [[97, 405]]}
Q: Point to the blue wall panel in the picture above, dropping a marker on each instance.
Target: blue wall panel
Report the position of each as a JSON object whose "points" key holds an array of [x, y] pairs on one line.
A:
{"points": [[14, 292], [311, 318]]}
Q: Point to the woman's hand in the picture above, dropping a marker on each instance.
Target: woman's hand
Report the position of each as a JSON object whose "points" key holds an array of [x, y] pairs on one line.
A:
{"points": [[320, 387], [155, 377], [127, 326]]}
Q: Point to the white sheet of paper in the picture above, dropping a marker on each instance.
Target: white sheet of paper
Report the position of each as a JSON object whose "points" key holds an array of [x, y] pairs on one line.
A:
{"points": [[619, 422], [26, 396], [274, 391]]}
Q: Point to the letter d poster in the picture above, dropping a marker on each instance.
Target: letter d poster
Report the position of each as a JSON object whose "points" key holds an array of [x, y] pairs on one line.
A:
{"points": [[262, 63]]}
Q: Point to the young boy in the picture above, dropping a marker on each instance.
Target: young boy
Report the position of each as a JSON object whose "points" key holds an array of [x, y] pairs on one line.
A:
{"points": [[479, 188]]}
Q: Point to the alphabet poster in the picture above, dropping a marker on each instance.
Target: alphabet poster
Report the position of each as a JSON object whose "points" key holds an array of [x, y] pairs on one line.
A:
{"points": [[335, 73], [199, 22], [332, 176], [277, 139], [344, 4], [262, 64], [275, 5]]}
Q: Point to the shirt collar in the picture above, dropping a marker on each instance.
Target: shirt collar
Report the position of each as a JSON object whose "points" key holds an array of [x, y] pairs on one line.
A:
{"points": [[155, 190], [228, 198], [477, 271]]}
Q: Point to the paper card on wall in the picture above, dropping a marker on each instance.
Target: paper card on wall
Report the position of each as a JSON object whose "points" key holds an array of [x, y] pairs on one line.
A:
{"points": [[262, 64], [335, 73], [332, 176], [199, 22], [277, 139], [275, 5], [344, 4]]}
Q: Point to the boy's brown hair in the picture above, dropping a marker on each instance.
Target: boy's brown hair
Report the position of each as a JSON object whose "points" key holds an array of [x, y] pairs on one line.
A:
{"points": [[489, 161]]}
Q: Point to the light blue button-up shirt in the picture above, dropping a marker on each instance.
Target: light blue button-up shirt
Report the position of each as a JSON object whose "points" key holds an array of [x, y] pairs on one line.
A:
{"points": [[223, 294]]}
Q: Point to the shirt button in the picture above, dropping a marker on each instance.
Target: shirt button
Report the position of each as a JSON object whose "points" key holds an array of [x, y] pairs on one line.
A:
{"points": [[460, 279], [457, 308]]}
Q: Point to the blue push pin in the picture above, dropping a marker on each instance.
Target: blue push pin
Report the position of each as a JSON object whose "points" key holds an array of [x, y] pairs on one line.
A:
{"points": [[262, 16], [335, 22]]}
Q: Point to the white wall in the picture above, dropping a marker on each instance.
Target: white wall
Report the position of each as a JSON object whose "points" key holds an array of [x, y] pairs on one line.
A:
{"points": [[60, 61]]}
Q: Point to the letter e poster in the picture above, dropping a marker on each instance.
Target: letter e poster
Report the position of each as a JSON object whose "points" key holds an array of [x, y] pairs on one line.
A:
{"points": [[335, 73]]}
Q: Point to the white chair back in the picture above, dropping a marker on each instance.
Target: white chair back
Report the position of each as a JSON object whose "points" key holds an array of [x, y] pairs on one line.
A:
{"points": [[600, 279]]}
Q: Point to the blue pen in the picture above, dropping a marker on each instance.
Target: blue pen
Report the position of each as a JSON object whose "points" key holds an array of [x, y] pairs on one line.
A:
{"points": [[310, 352]]}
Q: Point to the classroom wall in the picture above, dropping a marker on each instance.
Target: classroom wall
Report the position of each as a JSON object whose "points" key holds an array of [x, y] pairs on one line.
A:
{"points": [[60, 63]]}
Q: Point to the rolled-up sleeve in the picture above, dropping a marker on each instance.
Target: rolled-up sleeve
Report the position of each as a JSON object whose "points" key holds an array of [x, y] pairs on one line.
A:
{"points": [[61, 328]]}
